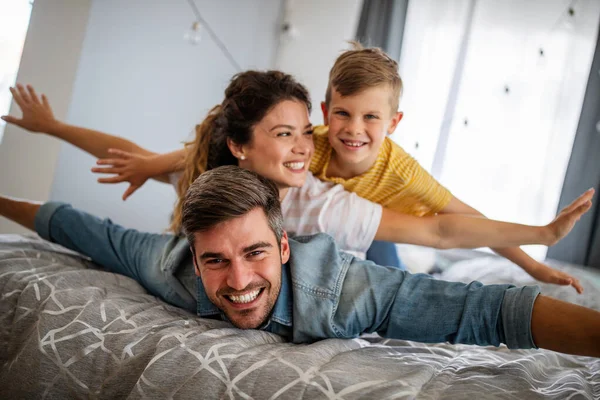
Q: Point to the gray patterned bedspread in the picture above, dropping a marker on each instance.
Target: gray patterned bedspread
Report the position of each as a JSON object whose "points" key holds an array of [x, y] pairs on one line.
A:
{"points": [[70, 330]]}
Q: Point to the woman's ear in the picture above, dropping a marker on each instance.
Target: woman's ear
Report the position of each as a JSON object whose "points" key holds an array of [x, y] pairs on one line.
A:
{"points": [[236, 149]]}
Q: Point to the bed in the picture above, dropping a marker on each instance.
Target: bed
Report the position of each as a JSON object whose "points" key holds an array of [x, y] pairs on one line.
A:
{"points": [[71, 330]]}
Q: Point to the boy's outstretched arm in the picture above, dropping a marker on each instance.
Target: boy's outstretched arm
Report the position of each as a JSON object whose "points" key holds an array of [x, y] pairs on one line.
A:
{"points": [[464, 231], [536, 269], [38, 117]]}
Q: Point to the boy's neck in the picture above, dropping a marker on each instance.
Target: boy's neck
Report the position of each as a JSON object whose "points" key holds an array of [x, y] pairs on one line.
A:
{"points": [[339, 169]]}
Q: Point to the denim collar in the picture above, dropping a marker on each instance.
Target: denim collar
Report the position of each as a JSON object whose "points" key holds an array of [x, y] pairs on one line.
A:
{"points": [[282, 312]]}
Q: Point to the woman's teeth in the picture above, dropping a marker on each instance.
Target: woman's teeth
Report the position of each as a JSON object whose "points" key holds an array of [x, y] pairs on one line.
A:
{"points": [[294, 165], [353, 144], [246, 298]]}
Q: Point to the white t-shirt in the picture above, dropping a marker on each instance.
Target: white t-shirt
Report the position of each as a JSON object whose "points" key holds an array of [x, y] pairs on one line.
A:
{"points": [[325, 207]]}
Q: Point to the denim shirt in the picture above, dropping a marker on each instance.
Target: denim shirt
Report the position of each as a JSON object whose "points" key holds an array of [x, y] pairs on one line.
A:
{"points": [[324, 293]]}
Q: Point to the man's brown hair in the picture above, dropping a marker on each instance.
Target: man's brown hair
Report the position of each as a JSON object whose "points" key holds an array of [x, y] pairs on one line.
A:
{"points": [[361, 68], [229, 192]]}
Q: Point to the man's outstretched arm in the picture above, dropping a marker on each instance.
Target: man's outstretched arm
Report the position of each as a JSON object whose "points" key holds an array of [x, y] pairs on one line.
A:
{"points": [[400, 305], [564, 327], [20, 211], [128, 252]]}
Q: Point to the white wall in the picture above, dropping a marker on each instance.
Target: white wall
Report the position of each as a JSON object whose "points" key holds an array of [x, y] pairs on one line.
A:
{"points": [[320, 31], [139, 79], [49, 62]]}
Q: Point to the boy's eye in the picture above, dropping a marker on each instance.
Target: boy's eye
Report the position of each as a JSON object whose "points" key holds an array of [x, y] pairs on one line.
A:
{"points": [[342, 113], [371, 116]]}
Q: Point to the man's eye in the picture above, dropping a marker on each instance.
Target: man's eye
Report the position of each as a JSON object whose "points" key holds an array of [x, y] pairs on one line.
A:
{"points": [[214, 261], [256, 253]]}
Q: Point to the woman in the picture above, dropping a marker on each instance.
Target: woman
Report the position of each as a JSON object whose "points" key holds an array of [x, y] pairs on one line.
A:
{"points": [[263, 125]]}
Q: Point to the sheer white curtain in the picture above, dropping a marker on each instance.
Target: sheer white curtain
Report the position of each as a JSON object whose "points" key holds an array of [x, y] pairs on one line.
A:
{"points": [[493, 94], [14, 21]]}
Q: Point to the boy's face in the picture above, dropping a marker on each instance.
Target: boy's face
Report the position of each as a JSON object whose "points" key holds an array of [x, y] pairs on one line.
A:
{"points": [[359, 123]]}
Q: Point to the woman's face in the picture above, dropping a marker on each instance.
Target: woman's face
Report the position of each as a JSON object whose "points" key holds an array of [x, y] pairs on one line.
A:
{"points": [[281, 145]]}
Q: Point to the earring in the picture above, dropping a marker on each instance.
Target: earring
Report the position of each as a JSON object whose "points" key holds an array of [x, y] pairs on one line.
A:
{"points": [[242, 157]]}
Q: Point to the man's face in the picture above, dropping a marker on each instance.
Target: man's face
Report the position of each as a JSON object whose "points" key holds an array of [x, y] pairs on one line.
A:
{"points": [[239, 262]]}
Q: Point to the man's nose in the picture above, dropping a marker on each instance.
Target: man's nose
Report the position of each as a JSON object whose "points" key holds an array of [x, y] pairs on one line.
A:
{"points": [[238, 276]]}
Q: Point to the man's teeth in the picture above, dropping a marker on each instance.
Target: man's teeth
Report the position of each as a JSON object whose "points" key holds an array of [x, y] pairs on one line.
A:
{"points": [[294, 165], [246, 298], [353, 144]]}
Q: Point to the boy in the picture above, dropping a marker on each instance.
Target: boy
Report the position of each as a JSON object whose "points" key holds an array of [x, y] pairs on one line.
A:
{"points": [[361, 110]]}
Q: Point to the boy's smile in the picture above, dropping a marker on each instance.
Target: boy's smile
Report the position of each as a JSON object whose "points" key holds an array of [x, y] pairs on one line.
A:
{"points": [[358, 125]]}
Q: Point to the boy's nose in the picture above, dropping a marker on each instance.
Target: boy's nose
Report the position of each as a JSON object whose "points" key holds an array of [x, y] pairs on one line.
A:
{"points": [[354, 127]]}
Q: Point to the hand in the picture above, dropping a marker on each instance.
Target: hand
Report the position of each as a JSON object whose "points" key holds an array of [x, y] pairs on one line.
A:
{"points": [[566, 219], [37, 115], [127, 167], [544, 273]]}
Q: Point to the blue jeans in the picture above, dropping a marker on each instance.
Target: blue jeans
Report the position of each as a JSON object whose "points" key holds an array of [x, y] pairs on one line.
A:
{"points": [[385, 253]]}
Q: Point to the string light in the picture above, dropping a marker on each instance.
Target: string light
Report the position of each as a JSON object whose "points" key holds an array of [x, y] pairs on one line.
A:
{"points": [[202, 24]]}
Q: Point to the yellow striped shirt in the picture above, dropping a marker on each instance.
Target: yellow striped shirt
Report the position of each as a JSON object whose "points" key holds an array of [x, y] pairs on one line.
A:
{"points": [[395, 181]]}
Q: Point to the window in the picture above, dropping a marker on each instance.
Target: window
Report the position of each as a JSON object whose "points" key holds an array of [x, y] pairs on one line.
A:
{"points": [[495, 111], [14, 20]]}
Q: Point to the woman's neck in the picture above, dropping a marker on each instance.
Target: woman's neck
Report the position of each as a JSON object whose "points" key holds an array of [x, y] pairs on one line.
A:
{"points": [[283, 192]]}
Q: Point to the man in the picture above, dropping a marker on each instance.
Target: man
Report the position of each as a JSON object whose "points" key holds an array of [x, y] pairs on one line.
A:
{"points": [[251, 274]]}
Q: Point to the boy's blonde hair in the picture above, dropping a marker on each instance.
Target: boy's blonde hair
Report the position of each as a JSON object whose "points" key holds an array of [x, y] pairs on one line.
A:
{"points": [[361, 68]]}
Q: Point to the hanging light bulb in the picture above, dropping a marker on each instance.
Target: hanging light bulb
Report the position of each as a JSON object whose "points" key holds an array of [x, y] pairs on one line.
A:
{"points": [[194, 34]]}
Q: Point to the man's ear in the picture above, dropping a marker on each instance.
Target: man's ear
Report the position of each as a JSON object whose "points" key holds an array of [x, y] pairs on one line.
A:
{"points": [[285, 248], [325, 113], [196, 267], [394, 122], [236, 149]]}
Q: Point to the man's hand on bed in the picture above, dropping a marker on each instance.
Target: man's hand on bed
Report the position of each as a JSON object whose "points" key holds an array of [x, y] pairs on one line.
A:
{"points": [[546, 274], [37, 114], [566, 219], [126, 167]]}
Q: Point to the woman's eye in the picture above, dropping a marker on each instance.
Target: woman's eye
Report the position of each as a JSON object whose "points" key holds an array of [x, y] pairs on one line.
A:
{"points": [[309, 132], [284, 134]]}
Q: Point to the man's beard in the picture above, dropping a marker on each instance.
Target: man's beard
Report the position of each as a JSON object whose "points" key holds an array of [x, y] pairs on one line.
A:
{"points": [[235, 315]]}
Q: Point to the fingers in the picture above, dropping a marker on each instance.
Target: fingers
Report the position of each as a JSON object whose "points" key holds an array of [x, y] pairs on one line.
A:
{"points": [[33, 95], [116, 162], [130, 190], [585, 196], [17, 97], [114, 179], [45, 102], [582, 209], [24, 95], [106, 170], [564, 279], [10, 119], [577, 286]]}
